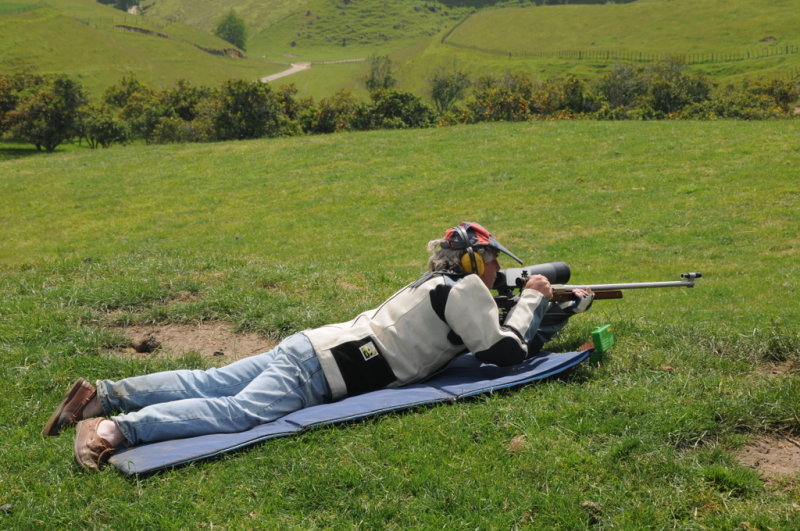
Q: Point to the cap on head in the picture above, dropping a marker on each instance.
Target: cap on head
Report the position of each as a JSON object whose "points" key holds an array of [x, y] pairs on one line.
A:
{"points": [[477, 236]]}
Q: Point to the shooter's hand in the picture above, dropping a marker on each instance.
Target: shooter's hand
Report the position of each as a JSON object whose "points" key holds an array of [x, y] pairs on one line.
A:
{"points": [[582, 300], [540, 284]]}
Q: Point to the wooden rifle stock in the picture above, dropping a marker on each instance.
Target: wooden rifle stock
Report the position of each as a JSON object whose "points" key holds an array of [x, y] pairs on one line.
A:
{"points": [[565, 295]]}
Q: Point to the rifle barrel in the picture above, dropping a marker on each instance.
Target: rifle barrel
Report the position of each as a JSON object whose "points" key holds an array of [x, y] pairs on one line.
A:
{"points": [[630, 285]]}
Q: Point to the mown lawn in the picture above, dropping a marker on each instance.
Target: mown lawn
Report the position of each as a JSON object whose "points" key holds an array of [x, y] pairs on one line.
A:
{"points": [[279, 235]]}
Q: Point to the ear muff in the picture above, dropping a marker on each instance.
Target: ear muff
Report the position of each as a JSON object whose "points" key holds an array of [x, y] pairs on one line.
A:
{"points": [[471, 262]]}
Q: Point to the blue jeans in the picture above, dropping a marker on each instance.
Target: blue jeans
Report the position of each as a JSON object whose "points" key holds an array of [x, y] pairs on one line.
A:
{"points": [[185, 403]]}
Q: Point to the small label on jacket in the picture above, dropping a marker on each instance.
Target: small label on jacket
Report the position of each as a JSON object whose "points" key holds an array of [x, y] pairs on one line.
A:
{"points": [[368, 351]]}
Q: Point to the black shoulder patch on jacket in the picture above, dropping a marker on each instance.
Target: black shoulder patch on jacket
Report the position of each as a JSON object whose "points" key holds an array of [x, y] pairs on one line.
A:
{"points": [[439, 296]]}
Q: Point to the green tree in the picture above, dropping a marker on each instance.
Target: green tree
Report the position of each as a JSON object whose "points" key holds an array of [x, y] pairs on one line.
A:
{"points": [[623, 86], [100, 127], [47, 113], [184, 98], [8, 97], [506, 99], [393, 109], [330, 115], [782, 93], [231, 28], [671, 87], [247, 109], [380, 74], [447, 87], [119, 94], [143, 110]]}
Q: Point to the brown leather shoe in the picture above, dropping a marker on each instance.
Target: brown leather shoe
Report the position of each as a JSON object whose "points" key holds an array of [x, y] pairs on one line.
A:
{"points": [[91, 450], [71, 408]]}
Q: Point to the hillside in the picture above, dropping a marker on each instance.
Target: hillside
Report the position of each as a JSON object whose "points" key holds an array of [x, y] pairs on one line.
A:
{"points": [[718, 34], [727, 40], [98, 45], [319, 29]]}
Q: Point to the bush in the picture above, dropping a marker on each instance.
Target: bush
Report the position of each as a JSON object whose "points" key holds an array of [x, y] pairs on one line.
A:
{"points": [[247, 109], [118, 95], [184, 98], [507, 99], [671, 88], [782, 93], [100, 127], [46, 113], [751, 101], [576, 97], [8, 98], [380, 74], [392, 109], [624, 86], [330, 115], [143, 111], [447, 87]]}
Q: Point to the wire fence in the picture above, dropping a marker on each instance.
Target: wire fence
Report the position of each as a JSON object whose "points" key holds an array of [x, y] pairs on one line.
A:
{"points": [[643, 57]]}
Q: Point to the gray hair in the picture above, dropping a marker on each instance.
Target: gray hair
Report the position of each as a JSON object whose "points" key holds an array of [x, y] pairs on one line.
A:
{"points": [[450, 259]]}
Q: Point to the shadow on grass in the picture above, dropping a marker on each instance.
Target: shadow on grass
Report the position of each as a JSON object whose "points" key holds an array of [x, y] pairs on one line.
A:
{"points": [[17, 152]]}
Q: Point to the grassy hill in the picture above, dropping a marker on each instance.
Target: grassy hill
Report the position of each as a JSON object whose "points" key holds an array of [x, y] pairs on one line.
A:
{"points": [[479, 37], [714, 33], [727, 40], [98, 45], [320, 29], [282, 234]]}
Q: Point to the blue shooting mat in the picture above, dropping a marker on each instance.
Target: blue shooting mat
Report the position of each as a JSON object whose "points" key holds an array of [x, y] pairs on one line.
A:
{"points": [[465, 376]]}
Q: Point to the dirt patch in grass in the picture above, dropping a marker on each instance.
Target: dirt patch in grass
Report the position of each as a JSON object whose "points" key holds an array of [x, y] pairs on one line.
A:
{"points": [[772, 456], [779, 368], [216, 340]]}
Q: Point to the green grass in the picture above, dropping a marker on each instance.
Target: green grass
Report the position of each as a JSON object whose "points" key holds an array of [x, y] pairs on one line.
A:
{"points": [[319, 29], [412, 39], [82, 38], [278, 235], [655, 26], [499, 40]]}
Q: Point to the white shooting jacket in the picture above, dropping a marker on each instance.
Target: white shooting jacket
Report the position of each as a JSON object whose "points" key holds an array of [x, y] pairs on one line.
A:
{"points": [[421, 328]]}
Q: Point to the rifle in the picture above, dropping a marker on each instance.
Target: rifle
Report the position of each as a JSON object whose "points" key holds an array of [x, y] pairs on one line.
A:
{"points": [[558, 273]]}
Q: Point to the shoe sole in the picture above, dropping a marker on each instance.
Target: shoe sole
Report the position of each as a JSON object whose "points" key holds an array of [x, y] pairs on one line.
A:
{"points": [[52, 428]]}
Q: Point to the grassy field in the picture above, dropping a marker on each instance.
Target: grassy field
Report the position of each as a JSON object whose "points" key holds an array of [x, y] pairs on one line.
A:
{"points": [[545, 42], [716, 36], [84, 39], [278, 235], [321, 29], [650, 27]]}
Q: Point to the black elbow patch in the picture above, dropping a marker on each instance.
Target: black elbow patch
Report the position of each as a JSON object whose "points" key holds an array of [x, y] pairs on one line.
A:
{"points": [[454, 338], [504, 353]]}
